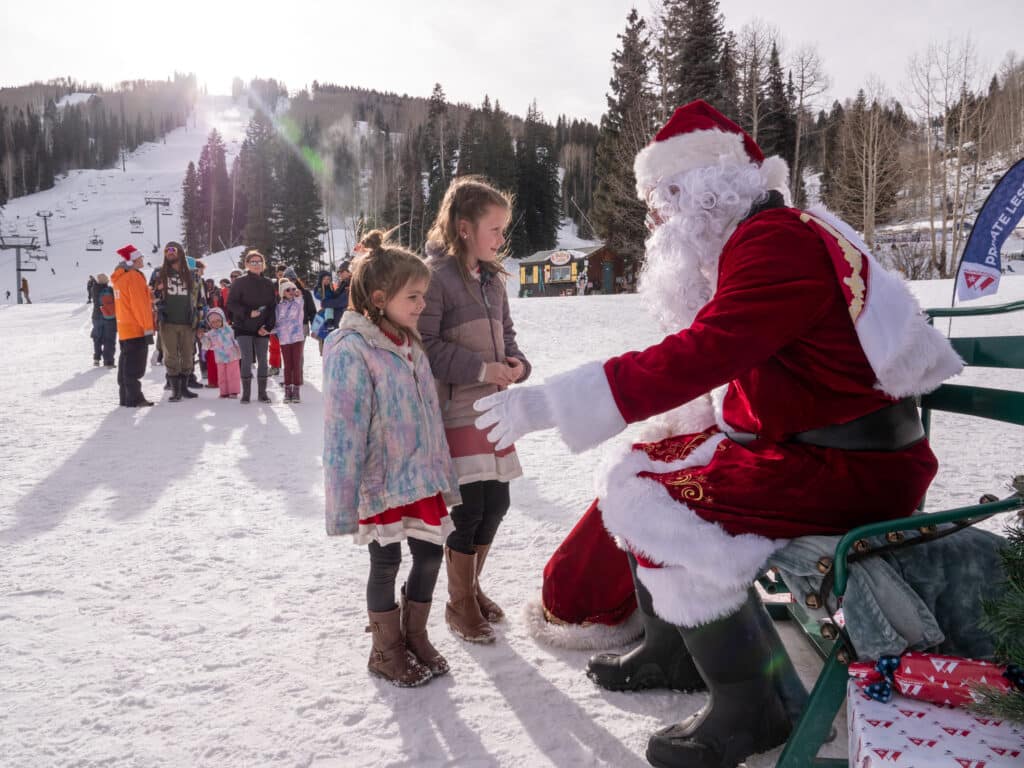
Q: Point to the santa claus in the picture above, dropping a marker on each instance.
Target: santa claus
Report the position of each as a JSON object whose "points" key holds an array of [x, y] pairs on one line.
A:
{"points": [[820, 352]]}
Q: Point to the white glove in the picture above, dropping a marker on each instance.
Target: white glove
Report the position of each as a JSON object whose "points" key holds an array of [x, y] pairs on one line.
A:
{"points": [[514, 413]]}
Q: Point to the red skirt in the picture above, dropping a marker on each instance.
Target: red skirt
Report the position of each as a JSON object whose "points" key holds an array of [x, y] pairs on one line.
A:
{"points": [[425, 519]]}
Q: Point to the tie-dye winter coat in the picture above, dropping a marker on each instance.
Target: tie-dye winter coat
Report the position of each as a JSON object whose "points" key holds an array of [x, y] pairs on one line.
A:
{"points": [[289, 327], [384, 443], [221, 340]]}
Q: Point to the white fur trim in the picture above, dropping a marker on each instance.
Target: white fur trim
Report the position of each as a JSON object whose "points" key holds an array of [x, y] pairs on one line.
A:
{"points": [[593, 637], [908, 356], [582, 405], [694, 416], [685, 152], [705, 570], [775, 172], [688, 602]]}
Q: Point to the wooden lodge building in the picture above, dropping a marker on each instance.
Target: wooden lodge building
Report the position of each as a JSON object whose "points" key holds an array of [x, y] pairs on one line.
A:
{"points": [[559, 272]]}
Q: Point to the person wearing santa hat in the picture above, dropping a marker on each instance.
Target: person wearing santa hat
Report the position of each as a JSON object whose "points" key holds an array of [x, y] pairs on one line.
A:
{"points": [[133, 307], [820, 352]]}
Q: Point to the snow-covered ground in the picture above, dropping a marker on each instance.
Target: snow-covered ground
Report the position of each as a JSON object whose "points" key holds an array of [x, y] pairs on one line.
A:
{"points": [[168, 596]]}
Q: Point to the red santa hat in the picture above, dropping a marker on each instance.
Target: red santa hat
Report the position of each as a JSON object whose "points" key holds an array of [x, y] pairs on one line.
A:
{"points": [[126, 252], [698, 135]]}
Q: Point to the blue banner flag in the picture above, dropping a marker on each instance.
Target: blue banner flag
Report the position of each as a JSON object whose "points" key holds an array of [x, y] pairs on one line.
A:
{"points": [[980, 265]]}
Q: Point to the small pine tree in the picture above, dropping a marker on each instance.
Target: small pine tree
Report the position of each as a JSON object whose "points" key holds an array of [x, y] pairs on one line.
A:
{"points": [[1004, 617], [191, 229], [626, 128]]}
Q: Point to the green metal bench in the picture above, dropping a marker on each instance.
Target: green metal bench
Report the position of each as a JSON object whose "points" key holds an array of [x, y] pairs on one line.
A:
{"points": [[831, 641]]}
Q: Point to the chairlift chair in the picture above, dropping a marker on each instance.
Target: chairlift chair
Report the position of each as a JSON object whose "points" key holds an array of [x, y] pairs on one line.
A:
{"points": [[95, 243], [166, 212], [136, 225]]}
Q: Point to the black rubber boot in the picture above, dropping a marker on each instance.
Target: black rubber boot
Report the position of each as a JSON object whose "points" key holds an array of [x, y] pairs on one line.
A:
{"points": [[185, 391], [745, 714], [167, 382], [261, 382], [784, 675], [175, 382], [660, 661], [246, 389], [191, 382]]}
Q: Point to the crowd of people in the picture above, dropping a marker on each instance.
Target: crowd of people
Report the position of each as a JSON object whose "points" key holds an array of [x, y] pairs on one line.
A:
{"points": [[224, 329]]}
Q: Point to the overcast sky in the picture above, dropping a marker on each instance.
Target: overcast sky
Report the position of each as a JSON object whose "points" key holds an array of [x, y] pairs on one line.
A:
{"points": [[557, 51]]}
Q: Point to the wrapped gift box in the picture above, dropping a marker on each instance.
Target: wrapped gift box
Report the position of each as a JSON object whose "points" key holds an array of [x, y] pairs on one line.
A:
{"points": [[915, 734]]}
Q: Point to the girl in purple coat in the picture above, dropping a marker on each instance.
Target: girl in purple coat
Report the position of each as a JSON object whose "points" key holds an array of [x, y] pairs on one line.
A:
{"points": [[290, 330]]}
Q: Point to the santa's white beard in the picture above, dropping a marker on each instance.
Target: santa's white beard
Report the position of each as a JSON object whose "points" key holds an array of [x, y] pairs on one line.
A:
{"points": [[700, 210], [679, 274]]}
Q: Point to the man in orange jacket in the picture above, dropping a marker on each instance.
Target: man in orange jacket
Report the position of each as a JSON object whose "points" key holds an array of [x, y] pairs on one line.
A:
{"points": [[133, 307]]}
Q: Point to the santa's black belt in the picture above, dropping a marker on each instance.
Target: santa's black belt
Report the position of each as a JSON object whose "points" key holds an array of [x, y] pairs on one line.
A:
{"points": [[891, 428]]}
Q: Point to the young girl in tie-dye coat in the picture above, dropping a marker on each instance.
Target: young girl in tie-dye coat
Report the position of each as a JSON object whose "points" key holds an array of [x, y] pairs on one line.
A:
{"points": [[388, 472], [220, 339]]}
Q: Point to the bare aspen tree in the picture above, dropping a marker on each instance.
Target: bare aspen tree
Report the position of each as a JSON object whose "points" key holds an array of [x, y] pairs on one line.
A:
{"points": [[940, 79], [809, 82], [755, 44], [869, 158], [1007, 113]]}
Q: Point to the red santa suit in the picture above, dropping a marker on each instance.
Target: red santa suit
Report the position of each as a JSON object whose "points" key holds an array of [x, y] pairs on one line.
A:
{"points": [[807, 331]]}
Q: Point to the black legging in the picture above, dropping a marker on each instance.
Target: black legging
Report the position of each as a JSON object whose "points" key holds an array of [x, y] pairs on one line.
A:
{"points": [[384, 562], [477, 518]]}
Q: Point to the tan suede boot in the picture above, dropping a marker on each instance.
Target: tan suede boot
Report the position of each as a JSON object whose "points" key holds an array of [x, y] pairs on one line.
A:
{"points": [[462, 613], [490, 609], [390, 658], [414, 630]]}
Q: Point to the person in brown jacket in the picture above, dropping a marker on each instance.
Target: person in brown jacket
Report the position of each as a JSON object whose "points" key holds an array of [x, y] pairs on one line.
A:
{"points": [[468, 334], [133, 308]]}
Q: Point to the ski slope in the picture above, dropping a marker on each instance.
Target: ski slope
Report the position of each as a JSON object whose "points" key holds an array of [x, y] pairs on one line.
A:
{"points": [[102, 202], [168, 596]]}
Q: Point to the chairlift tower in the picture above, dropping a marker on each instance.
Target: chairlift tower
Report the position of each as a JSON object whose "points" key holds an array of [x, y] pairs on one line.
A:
{"points": [[158, 201], [45, 215], [19, 243]]}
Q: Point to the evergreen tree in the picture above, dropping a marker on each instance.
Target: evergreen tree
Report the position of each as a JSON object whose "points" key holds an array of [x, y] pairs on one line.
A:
{"points": [[297, 217], [728, 80], [537, 211], [258, 182], [472, 150], [500, 166], [1004, 617], [410, 204], [239, 207], [439, 145], [191, 219], [214, 196], [778, 123], [694, 53], [625, 129]]}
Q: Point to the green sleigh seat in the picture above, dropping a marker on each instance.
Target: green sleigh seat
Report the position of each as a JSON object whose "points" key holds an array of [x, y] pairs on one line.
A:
{"points": [[808, 610]]}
